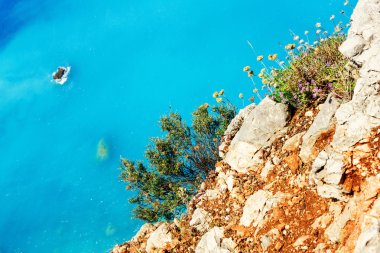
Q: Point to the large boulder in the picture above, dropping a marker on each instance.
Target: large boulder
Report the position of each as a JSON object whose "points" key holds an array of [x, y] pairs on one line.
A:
{"points": [[257, 206], [260, 128], [233, 128], [200, 220], [356, 118], [159, 238], [322, 123], [211, 242]]}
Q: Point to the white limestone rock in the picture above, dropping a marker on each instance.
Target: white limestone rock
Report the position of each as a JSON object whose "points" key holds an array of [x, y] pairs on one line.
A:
{"points": [[233, 128], [369, 239], [200, 220], [333, 232], [259, 129], [322, 123], [159, 238], [293, 143], [145, 230], [211, 242], [256, 207]]}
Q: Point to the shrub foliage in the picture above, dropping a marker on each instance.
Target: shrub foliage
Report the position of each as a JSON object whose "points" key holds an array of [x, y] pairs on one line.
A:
{"points": [[312, 74], [177, 162]]}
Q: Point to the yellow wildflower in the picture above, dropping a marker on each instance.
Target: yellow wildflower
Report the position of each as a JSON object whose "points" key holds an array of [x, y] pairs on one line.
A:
{"points": [[265, 81], [246, 68], [219, 100], [296, 37], [260, 58], [241, 95], [250, 73], [290, 46], [261, 75], [252, 99], [255, 90], [272, 57], [262, 70], [215, 94], [221, 92]]}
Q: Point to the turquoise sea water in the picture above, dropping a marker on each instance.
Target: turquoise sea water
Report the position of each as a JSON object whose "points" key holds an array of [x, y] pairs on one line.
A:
{"points": [[131, 61]]}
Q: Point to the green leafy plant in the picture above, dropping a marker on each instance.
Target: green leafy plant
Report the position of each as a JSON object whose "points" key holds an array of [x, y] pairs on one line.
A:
{"points": [[310, 71], [177, 162], [312, 74]]}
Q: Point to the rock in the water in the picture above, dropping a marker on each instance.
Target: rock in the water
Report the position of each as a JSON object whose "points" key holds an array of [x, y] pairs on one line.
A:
{"points": [[61, 75]]}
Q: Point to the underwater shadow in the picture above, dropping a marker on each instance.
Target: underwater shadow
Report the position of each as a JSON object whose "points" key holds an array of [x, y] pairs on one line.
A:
{"points": [[15, 14]]}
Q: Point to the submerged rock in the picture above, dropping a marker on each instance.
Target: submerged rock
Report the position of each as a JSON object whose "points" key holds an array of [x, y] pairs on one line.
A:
{"points": [[102, 150]]}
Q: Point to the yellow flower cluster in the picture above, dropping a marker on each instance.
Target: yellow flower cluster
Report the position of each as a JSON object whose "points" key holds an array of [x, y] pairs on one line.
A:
{"points": [[272, 57], [246, 68], [217, 95], [241, 95], [260, 58], [290, 46]]}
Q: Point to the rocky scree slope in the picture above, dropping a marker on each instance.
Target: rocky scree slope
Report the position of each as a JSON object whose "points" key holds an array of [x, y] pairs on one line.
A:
{"points": [[307, 182]]}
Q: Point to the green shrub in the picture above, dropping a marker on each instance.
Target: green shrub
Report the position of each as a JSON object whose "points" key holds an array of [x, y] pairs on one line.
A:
{"points": [[177, 162], [312, 74]]}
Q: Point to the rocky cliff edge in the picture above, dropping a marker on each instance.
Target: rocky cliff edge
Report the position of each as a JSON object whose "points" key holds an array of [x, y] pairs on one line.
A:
{"points": [[307, 182]]}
